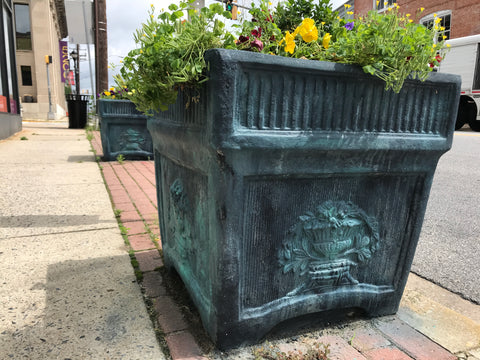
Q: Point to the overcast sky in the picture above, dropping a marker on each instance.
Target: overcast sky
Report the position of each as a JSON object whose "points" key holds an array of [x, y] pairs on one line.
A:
{"points": [[123, 18]]}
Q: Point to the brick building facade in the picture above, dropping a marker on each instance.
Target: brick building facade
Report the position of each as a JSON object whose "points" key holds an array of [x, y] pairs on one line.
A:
{"points": [[463, 16]]}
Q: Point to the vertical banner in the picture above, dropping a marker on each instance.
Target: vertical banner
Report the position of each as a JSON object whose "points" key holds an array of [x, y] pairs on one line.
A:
{"points": [[64, 62]]}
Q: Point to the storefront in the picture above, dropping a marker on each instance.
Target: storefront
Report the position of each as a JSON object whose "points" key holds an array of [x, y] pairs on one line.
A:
{"points": [[10, 120]]}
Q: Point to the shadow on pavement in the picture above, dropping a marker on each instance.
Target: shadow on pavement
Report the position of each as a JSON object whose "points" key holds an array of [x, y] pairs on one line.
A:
{"points": [[87, 309]]}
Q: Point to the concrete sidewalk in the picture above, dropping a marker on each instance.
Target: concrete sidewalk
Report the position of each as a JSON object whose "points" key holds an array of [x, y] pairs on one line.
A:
{"points": [[69, 291]]}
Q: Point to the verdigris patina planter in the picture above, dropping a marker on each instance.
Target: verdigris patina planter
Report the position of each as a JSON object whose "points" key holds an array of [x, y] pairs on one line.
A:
{"points": [[123, 130], [294, 187]]}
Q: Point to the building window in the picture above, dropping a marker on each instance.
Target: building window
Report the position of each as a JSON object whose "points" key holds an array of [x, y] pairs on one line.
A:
{"points": [[26, 75], [23, 32], [445, 22], [384, 4]]}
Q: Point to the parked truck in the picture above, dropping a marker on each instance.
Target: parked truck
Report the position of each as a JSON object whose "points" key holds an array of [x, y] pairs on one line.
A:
{"points": [[464, 59]]}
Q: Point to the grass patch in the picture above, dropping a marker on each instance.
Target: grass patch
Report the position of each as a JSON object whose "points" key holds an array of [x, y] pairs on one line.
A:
{"points": [[121, 159]]}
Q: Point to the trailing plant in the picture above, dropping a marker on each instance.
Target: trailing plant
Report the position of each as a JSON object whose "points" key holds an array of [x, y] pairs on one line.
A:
{"points": [[170, 52]]}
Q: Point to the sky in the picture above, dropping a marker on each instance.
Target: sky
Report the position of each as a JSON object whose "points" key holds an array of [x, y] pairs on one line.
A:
{"points": [[123, 18]]}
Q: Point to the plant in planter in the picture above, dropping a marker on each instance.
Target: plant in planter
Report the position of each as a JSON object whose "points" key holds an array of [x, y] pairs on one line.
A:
{"points": [[123, 128], [288, 186]]}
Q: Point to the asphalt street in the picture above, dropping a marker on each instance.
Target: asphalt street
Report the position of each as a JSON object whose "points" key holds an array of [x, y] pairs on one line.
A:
{"points": [[448, 252]]}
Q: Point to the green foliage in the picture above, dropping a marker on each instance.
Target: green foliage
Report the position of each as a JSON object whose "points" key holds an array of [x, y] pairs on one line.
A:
{"points": [[23, 138], [314, 352], [123, 229], [170, 53], [121, 159], [390, 46], [289, 14]]}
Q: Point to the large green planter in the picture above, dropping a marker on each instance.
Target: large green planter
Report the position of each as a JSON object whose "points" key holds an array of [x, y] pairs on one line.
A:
{"points": [[294, 187], [123, 130]]}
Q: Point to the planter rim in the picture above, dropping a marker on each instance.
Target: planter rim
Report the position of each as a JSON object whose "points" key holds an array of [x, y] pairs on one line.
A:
{"points": [[306, 65], [116, 100]]}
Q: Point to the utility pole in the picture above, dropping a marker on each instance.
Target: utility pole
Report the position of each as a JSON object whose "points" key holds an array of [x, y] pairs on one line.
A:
{"points": [[101, 46], [50, 115]]}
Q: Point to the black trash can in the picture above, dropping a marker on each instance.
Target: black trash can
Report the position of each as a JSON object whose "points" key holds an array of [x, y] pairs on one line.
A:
{"points": [[77, 110]]}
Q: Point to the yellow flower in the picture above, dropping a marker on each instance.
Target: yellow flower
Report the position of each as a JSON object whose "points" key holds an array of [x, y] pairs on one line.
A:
{"points": [[421, 9], [108, 93], [434, 45], [442, 28], [133, 91], [151, 16], [347, 6], [436, 27], [269, 3], [112, 89], [308, 31], [349, 12], [130, 93], [407, 15], [410, 20], [113, 96], [389, 9], [151, 5], [434, 15], [437, 20], [290, 42], [448, 45], [444, 37], [323, 22], [326, 40], [385, 3], [141, 51], [378, 2]]}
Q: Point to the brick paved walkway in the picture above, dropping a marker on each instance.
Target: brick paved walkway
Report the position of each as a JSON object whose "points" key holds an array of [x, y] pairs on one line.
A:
{"points": [[133, 194]]}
